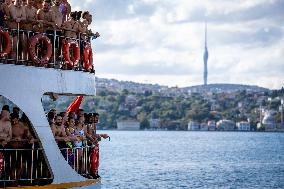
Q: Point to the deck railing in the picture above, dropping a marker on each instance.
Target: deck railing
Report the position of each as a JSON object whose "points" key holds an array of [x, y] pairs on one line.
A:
{"points": [[24, 167], [20, 56], [79, 159], [29, 167]]}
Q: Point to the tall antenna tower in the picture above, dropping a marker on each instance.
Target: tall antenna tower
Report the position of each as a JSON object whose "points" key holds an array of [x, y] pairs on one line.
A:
{"points": [[205, 57]]}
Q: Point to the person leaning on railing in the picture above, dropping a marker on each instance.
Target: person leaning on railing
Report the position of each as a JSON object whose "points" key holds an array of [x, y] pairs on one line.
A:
{"points": [[21, 138], [31, 17], [5, 126], [72, 27], [17, 15], [2, 14]]}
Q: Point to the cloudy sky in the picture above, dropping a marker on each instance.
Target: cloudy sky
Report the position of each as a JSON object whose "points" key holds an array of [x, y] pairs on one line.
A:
{"points": [[162, 41]]}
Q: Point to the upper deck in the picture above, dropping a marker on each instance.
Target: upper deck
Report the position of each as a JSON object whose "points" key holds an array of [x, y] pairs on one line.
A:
{"points": [[58, 74]]}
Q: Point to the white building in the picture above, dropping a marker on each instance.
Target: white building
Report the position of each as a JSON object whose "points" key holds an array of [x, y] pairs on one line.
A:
{"points": [[211, 125], [203, 127], [155, 123], [268, 121], [193, 126], [128, 125], [226, 125], [243, 126]]}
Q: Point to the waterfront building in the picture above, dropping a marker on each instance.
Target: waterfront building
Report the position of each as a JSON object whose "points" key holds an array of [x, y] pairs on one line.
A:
{"points": [[193, 126], [243, 126], [155, 123], [226, 125], [268, 121], [211, 125], [128, 125], [203, 127]]}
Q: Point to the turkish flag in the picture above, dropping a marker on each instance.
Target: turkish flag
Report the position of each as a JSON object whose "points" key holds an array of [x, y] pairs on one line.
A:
{"points": [[75, 105]]}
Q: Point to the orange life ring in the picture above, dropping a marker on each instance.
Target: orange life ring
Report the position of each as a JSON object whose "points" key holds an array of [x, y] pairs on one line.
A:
{"points": [[95, 160], [67, 44], [32, 49], [88, 57], [8, 44]]}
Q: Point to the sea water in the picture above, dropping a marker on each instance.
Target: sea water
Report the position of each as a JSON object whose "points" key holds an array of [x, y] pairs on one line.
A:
{"points": [[176, 159]]}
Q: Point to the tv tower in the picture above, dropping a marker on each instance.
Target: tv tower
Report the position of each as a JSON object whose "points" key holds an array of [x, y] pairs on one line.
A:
{"points": [[205, 57]]}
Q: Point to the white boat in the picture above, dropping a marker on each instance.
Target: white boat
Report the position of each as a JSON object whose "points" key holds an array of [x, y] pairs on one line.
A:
{"points": [[24, 84]]}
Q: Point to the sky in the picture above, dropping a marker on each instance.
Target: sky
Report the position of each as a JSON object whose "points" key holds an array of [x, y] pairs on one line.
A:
{"points": [[162, 41]]}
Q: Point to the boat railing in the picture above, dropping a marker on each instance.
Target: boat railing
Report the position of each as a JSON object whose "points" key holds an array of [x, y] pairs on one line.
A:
{"points": [[29, 167], [79, 159], [21, 56], [23, 167]]}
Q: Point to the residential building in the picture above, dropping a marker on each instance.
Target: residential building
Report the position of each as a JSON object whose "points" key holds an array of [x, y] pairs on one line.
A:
{"points": [[129, 125], [226, 125], [193, 126], [243, 126]]}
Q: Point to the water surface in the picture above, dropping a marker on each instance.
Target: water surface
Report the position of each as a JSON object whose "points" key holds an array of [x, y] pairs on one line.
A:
{"points": [[169, 159]]}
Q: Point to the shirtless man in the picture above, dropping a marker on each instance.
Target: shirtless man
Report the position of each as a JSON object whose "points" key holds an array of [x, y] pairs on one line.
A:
{"points": [[92, 129], [57, 13], [38, 4], [20, 136], [86, 20], [72, 27], [5, 126], [5, 7], [20, 133], [18, 15], [59, 133], [90, 33], [31, 16], [46, 16]]}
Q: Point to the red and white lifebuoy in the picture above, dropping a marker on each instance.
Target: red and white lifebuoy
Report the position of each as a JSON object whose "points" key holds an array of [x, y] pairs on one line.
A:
{"points": [[95, 155], [74, 61], [1, 162], [88, 57], [32, 49], [7, 46]]}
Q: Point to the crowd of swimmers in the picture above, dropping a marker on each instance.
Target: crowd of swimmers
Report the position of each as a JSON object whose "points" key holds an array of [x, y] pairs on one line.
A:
{"points": [[78, 128], [48, 16], [71, 131]]}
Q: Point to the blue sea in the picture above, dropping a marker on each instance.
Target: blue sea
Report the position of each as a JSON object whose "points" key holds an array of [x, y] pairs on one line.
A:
{"points": [[176, 159]]}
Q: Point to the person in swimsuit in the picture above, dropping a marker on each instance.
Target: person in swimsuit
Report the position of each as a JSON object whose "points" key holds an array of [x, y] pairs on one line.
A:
{"points": [[31, 16], [2, 14], [72, 26], [5, 126], [20, 138], [59, 133], [5, 7], [81, 131], [38, 4], [18, 16], [46, 17]]}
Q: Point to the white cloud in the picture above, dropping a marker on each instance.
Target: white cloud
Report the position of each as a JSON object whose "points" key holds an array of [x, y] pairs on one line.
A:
{"points": [[161, 41]]}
